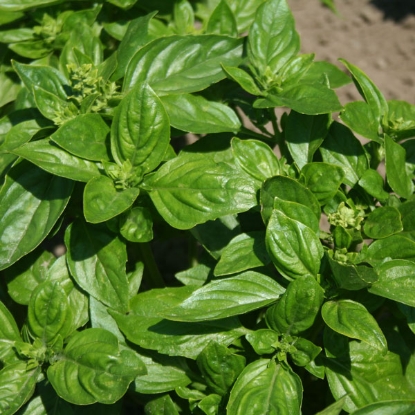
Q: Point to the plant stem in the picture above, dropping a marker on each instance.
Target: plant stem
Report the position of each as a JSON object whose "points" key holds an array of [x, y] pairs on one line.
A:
{"points": [[151, 271]]}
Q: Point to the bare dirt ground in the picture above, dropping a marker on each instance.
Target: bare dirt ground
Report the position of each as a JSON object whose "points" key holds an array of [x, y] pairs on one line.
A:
{"points": [[378, 36]]}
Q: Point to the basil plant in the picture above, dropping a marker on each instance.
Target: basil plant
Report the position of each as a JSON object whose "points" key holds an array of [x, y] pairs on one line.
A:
{"points": [[168, 245]]}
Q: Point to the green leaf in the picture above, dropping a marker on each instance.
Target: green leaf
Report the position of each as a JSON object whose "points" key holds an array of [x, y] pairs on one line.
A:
{"points": [[183, 64], [396, 281], [93, 368], [304, 135], [84, 136], [140, 129], [136, 225], [322, 71], [10, 89], [210, 404], [352, 319], [31, 201], [227, 297], [289, 190], [222, 21], [392, 407], [17, 385], [219, 367], [20, 5], [309, 99], [359, 117], [243, 78], [183, 16], [162, 405], [49, 314], [400, 123], [368, 91], [263, 341], [9, 334], [197, 115], [266, 386], [145, 326], [298, 307], [383, 222], [396, 175], [372, 183], [103, 201], [256, 158], [96, 259], [392, 247], [306, 352], [272, 39], [343, 149], [336, 407], [294, 248], [187, 192], [245, 251], [162, 376], [322, 179], [48, 156]]}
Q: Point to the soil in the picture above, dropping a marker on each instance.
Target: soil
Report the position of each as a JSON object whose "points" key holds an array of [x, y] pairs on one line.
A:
{"points": [[378, 36]]}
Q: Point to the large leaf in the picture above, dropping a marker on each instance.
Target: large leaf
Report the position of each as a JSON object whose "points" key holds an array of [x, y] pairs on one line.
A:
{"points": [[140, 129], [17, 385], [198, 115], [383, 222], [227, 297], [96, 259], [298, 307], [393, 247], [187, 192], [182, 64], [55, 160], [265, 387], [20, 5], [294, 248], [272, 37], [93, 368], [31, 202], [352, 319]]}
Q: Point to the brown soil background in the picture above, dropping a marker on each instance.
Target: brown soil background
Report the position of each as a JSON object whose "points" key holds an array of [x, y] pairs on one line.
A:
{"points": [[378, 36]]}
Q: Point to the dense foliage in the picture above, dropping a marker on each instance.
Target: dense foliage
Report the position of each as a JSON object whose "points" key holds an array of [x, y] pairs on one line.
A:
{"points": [[298, 290]]}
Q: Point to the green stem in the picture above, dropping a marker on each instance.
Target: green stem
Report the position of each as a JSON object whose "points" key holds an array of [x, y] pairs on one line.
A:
{"points": [[151, 271]]}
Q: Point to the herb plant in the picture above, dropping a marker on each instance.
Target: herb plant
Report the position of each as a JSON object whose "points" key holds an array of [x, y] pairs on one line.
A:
{"points": [[298, 293]]}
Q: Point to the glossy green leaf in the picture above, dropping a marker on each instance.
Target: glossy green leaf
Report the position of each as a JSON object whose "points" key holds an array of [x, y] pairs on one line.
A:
{"points": [[305, 353], [323, 180], [162, 405], [383, 222], [162, 376], [266, 386], [298, 307], [31, 201], [243, 78], [96, 259], [183, 16], [136, 225], [103, 201], [140, 129], [227, 297], [352, 319], [9, 334], [372, 183], [392, 407], [322, 71], [400, 123], [263, 341], [392, 247], [49, 314], [20, 5], [294, 248], [304, 135], [359, 117], [210, 404], [219, 367], [256, 158], [93, 368], [245, 251], [368, 90], [187, 192], [343, 149], [396, 175], [407, 211], [55, 160], [396, 281], [17, 384], [222, 21], [145, 326], [197, 115], [289, 190], [335, 408], [136, 36], [84, 136], [10, 89], [183, 64], [272, 39]]}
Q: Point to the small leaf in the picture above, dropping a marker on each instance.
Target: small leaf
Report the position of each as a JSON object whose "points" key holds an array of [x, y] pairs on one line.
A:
{"points": [[243, 78], [136, 225], [227, 297], [383, 222], [162, 405], [353, 320], [393, 247], [372, 183], [263, 341], [93, 368], [306, 352], [9, 334], [222, 21], [267, 387]]}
